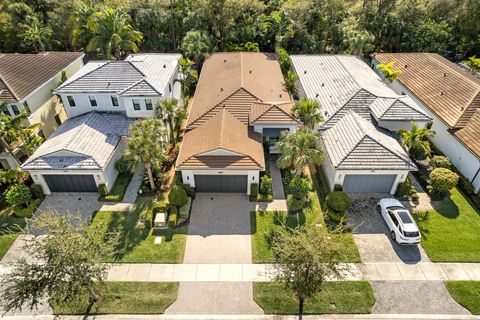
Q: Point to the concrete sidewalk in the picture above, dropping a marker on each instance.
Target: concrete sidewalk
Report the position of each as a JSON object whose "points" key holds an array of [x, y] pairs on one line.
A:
{"points": [[381, 271]]}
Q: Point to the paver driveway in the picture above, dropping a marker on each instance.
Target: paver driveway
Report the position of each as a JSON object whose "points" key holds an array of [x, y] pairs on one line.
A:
{"points": [[219, 229]]}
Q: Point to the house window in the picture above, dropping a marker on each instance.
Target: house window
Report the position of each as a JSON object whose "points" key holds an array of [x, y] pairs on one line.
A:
{"points": [[136, 104], [93, 101], [71, 101], [114, 101], [148, 104], [26, 107], [57, 119], [15, 109]]}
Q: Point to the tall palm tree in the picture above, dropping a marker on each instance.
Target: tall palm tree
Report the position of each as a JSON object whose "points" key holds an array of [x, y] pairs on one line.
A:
{"points": [[416, 139], [36, 35], [279, 26], [291, 83], [80, 33], [172, 114], [387, 71], [299, 149], [308, 111], [147, 145], [188, 77], [113, 33]]}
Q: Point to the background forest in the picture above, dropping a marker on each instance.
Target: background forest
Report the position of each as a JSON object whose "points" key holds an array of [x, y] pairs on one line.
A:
{"points": [[113, 28]]}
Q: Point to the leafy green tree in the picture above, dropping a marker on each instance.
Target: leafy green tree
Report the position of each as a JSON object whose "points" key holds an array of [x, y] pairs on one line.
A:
{"points": [[309, 112], [474, 64], [81, 33], [416, 140], [18, 195], [113, 34], [279, 26], [266, 185], [284, 60], [291, 83], [299, 149], [432, 36], [356, 39], [12, 176], [31, 141], [36, 36], [443, 179], [388, 72], [305, 259], [196, 45], [147, 144], [177, 196], [299, 187], [71, 256]]}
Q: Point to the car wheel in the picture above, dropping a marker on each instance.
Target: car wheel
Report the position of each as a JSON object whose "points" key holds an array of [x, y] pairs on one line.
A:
{"points": [[379, 210], [392, 235]]}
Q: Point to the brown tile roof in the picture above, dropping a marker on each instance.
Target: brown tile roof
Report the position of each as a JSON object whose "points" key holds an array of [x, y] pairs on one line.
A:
{"points": [[21, 74], [449, 91], [225, 132], [470, 134], [225, 74], [268, 113]]}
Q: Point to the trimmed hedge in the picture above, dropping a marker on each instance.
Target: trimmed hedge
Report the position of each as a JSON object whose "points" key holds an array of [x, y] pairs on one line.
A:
{"points": [[443, 179], [172, 220], [102, 189], [336, 216], [184, 211], [294, 204], [254, 190], [404, 188], [338, 201], [177, 197], [37, 191]]}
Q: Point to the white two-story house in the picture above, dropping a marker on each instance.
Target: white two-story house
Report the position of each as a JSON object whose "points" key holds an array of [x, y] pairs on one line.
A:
{"points": [[26, 85], [101, 101]]}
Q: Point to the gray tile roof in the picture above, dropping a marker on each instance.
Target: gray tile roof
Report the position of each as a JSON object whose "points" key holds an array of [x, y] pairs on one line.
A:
{"points": [[83, 142], [143, 74], [342, 83], [355, 144], [397, 109]]}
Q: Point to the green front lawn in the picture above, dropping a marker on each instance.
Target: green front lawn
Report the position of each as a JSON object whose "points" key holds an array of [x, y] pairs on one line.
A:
{"points": [[336, 297], [451, 233], [264, 224], [137, 242], [118, 189], [9, 232], [124, 298], [466, 293]]}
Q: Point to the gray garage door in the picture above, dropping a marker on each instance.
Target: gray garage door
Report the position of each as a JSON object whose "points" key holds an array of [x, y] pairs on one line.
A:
{"points": [[71, 183], [368, 183], [221, 183]]}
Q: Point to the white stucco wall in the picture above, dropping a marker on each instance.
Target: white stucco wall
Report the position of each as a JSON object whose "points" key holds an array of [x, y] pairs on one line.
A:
{"points": [[395, 126], [82, 102], [253, 176], [329, 172], [143, 112], [110, 172]]}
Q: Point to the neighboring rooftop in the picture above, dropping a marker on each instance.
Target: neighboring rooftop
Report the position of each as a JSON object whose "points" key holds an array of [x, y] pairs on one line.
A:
{"points": [[83, 142], [343, 83], [21, 74], [145, 74], [354, 143]]}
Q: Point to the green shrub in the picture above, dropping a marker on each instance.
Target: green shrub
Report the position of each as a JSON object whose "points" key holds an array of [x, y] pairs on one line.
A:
{"points": [[418, 153], [266, 185], [415, 197], [177, 196], [125, 165], [28, 211], [254, 190], [102, 189], [443, 179], [294, 204], [37, 191], [299, 187], [336, 216], [338, 201], [404, 188], [337, 187], [172, 210], [413, 190], [172, 220], [184, 211], [429, 189], [18, 195], [440, 162], [465, 185], [188, 189]]}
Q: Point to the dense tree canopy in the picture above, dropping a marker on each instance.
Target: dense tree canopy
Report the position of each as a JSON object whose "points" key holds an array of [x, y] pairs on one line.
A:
{"points": [[449, 27]]}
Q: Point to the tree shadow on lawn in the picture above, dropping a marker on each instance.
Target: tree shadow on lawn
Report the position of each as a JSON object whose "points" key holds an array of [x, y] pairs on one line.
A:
{"points": [[448, 208]]}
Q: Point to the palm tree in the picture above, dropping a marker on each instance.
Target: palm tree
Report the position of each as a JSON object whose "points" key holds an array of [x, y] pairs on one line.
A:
{"points": [[147, 144], [308, 111], [36, 35], [80, 33], [416, 140], [387, 71], [299, 149], [188, 77], [167, 110], [279, 26], [291, 83], [113, 34]]}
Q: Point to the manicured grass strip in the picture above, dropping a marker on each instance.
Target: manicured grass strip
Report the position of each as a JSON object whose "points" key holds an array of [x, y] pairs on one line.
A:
{"points": [[466, 293], [137, 242], [118, 189], [261, 198], [263, 225], [451, 233], [10, 232], [336, 297], [125, 298]]}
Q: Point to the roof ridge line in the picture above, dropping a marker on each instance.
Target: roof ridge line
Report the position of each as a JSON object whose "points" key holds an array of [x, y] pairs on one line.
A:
{"points": [[90, 115], [9, 88], [338, 110], [390, 150], [83, 75]]}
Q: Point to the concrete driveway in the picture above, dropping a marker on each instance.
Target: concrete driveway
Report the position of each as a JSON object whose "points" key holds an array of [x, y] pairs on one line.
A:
{"points": [[372, 236], [219, 229], [80, 203]]}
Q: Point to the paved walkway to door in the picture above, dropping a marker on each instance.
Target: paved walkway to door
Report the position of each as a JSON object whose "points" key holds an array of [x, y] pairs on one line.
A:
{"points": [[276, 175]]}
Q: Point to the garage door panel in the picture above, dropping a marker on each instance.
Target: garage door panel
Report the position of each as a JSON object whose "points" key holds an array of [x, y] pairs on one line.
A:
{"points": [[221, 183], [71, 183], [368, 183]]}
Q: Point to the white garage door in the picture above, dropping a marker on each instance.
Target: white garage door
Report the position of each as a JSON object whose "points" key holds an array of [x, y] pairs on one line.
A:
{"points": [[368, 183]]}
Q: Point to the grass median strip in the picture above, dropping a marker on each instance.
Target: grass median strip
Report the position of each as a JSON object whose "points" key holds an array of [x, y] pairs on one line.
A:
{"points": [[466, 293], [124, 298], [118, 189], [336, 297], [10, 228]]}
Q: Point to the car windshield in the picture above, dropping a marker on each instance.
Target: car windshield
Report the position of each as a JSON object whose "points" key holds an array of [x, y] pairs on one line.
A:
{"points": [[405, 217]]}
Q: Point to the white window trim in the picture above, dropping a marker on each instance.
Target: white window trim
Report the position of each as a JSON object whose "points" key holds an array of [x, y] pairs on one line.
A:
{"points": [[94, 99], [74, 102], [146, 104], [139, 104], [116, 98]]}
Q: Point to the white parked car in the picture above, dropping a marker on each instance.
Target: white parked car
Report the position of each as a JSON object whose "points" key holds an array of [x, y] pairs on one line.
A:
{"points": [[401, 225]]}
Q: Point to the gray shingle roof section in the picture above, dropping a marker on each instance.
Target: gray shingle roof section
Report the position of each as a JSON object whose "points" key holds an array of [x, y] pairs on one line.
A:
{"points": [[397, 109], [342, 83], [355, 144], [142, 74], [83, 142]]}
